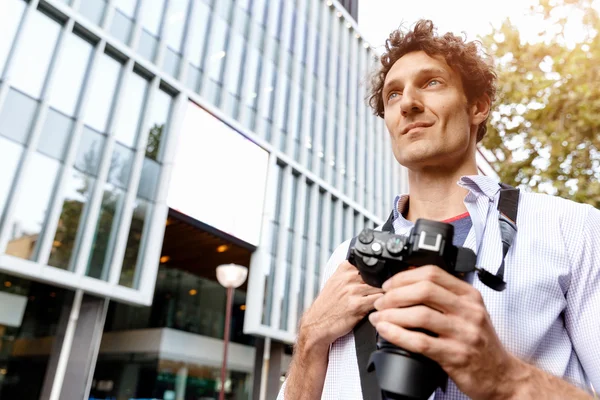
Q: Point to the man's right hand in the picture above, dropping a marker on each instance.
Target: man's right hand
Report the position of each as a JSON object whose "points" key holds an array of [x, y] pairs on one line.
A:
{"points": [[342, 303]]}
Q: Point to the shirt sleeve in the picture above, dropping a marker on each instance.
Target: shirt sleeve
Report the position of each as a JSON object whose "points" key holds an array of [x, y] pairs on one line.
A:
{"points": [[582, 315], [334, 261]]}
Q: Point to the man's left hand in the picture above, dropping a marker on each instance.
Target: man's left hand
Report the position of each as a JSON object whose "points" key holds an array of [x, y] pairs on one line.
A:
{"points": [[467, 346]]}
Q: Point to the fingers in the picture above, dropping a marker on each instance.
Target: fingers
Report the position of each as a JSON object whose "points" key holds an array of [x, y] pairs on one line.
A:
{"points": [[416, 342], [423, 292], [367, 302], [415, 317], [430, 273]]}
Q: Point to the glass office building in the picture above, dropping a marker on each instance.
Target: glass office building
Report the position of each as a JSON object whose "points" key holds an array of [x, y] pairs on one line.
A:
{"points": [[145, 142]]}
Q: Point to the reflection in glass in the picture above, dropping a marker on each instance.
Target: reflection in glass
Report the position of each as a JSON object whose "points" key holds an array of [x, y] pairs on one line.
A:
{"points": [[152, 12], [93, 10], [17, 115], [70, 73], [90, 151], [131, 110], [197, 33], [234, 58], [134, 241], [34, 54], [159, 117], [120, 166], [149, 179], [32, 206], [105, 233], [55, 134], [78, 190], [102, 92], [121, 27], [10, 154], [9, 21], [175, 23], [127, 7], [216, 50], [147, 45], [171, 62]]}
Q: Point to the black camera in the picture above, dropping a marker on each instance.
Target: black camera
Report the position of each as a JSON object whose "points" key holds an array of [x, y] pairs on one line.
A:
{"points": [[380, 255]]}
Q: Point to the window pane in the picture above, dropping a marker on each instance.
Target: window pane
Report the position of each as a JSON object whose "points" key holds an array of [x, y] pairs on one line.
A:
{"points": [[121, 27], [102, 92], [149, 179], [31, 209], [197, 33], [77, 195], [9, 21], [175, 23], [234, 58], [34, 54], [17, 116], [93, 10], [120, 167], [90, 151], [159, 118], [147, 46], [216, 52], [152, 12], [126, 6], [70, 73], [55, 134], [105, 233], [130, 113], [10, 154], [134, 240]]}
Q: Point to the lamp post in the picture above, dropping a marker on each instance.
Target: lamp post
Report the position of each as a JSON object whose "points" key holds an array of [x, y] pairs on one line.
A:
{"points": [[231, 276]]}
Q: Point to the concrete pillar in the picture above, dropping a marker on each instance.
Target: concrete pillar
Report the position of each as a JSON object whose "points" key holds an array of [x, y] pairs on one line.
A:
{"points": [[84, 350], [275, 354]]}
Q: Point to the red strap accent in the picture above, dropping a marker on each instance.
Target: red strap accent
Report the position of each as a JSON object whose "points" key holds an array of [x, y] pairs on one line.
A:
{"points": [[461, 216]]}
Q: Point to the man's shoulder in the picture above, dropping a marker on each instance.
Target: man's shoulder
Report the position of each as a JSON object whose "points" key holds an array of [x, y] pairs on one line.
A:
{"points": [[554, 205]]}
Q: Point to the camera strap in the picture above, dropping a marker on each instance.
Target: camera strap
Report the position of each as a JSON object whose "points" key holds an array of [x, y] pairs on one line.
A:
{"points": [[365, 339], [508, 206]]}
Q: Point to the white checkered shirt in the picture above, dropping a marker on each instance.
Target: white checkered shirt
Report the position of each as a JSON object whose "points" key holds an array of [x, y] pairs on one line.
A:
{"points": [[549, 314]]}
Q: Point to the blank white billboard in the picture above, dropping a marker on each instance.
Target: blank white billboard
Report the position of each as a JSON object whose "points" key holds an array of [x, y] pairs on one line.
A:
{"points": [[219, 176]]}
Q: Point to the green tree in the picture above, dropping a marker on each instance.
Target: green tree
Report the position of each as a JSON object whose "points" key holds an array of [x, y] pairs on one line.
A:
{"points": [[545, 130]]}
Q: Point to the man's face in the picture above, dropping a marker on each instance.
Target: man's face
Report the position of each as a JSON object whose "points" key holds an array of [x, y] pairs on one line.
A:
{"points": [[427, 114]]}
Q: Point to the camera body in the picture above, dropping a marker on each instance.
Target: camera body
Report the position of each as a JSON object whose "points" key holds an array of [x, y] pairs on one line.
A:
{"points": [[380, 255]]}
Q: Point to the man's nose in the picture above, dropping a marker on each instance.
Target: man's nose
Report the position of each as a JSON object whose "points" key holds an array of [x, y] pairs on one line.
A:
{"points": [[411, 102]]}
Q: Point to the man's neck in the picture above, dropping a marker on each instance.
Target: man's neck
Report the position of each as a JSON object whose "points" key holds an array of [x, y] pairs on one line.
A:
{"points": [[434, 194]]}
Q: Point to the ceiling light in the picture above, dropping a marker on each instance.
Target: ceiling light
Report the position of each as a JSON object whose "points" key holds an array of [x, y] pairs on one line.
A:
{"points": [[164, 259], [222, 248], [193, 292], [366, 45], [348, 25], [56, 243], [169, 222], [329, 3], [339, 14], [243, 307], [357, 36], [8, 283]]}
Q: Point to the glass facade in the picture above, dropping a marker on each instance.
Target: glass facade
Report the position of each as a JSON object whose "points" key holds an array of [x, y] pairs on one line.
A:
{"points": [[93, 95]]}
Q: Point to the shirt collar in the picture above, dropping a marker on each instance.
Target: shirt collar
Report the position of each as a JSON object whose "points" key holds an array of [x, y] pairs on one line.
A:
{"points": [[478, 185]]}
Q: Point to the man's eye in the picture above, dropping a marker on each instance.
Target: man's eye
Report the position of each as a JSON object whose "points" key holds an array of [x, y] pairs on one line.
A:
{"points": [[393, 95], [433, 82]]}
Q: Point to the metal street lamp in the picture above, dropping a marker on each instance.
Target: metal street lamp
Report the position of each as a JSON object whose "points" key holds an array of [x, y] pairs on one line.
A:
{"points": [[231, 276]]}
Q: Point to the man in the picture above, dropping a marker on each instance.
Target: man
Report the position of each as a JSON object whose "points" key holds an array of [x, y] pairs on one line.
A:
{"points": [[540, 338]]}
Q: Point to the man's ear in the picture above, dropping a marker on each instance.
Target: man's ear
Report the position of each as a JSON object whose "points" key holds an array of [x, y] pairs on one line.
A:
{"points": [[480, 109]]}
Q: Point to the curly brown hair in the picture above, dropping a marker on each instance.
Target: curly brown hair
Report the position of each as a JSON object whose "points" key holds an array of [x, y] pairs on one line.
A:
{"points": [[477, 74]]}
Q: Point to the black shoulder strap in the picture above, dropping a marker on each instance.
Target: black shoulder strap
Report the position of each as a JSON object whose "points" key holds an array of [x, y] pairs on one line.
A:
{"points": [[365, 340], [508, 205]]}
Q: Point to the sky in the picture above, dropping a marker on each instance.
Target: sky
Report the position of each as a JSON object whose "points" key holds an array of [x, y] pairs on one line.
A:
{"points": [[377, 18]]}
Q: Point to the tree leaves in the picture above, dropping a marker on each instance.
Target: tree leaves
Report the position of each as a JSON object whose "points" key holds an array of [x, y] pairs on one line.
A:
{"points": [[545, 130]]}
